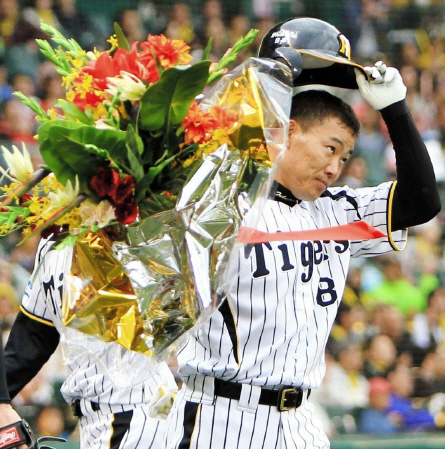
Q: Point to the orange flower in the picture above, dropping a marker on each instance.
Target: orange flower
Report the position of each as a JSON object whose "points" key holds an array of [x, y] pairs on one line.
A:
{"points": [[224, 118], [198, 125], [169, 52]]}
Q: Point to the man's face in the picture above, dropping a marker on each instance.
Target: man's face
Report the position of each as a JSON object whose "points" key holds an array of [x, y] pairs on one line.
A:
{"points": [[314, 158]]}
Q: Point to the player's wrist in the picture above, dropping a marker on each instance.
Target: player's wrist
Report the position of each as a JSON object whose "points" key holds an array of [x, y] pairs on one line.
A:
{"points": [[395, 110]]}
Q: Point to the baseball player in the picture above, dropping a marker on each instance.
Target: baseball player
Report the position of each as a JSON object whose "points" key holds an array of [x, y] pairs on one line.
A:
{"points": [[113, 412], [13, 431], [248, 372]]}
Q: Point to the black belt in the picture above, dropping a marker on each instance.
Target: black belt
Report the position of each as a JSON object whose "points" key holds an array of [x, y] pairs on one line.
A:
{"points": [[77, 411], [286, 398]]}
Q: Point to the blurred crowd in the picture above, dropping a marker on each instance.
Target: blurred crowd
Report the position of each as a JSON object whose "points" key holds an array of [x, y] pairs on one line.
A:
{"points": [[386, 354]]}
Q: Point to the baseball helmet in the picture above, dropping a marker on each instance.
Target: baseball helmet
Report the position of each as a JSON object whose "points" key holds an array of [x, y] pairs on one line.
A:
{"points": [[316, 52]]}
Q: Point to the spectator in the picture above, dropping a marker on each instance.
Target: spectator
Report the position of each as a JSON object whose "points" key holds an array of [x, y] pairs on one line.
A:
{"points": [[401, 403], [375, 419], [380, 356], [14, 275], [366, 25], [354, 293], [131, 24], [396, 290], [51, 92], [428, 327], [17, 124], [180, 25], [50, 421], [76, 24], [5, 88], [389, 320], [430, 378], [371, 144], [348, 328], [345, 371], [354, 173], [9, 17], [9, 306], [37, 10]]}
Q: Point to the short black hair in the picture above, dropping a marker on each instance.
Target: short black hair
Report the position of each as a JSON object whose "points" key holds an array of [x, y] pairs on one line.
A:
{"points": [[312, 107]]}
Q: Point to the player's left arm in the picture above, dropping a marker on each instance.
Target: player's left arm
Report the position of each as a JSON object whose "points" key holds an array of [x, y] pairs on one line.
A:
{"points": [[415, 197], [29, 346]]}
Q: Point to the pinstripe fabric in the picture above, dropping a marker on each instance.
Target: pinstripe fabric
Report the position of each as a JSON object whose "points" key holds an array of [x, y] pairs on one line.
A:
{"points": [[93, 374], [223, 426], [133, 429], [282, 298]]}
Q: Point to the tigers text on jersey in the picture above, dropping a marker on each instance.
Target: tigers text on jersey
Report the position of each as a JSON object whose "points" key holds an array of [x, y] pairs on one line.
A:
{"points": [[105, 373], [283, 297]]}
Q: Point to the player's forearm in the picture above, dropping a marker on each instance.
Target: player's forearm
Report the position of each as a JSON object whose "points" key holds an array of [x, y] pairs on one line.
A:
{"points": [[416, 197], [4, 395], [29, 346]]}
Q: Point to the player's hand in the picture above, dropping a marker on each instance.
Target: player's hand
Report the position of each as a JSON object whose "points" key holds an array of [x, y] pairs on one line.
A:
{"points": [[384, 88], [161, 402], [8, 416]]}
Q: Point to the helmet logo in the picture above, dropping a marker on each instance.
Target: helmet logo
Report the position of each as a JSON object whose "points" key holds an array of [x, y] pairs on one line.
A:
{"points": [[283, 36], [345, 46]]}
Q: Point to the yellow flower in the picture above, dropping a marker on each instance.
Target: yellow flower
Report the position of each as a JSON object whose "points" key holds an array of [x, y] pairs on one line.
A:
{"points": [[19, 165], [4, 229], [113, 42]]}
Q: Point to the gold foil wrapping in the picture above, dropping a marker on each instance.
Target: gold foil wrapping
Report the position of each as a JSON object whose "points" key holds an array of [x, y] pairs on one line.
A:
{"points": [[149, 284]]}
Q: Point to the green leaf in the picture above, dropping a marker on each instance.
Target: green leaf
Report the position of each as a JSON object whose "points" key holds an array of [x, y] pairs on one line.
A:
{"points": [[134, 151], [206, 52], [121, 39], [72, 112], [70, 149], [168, 101], [231, 55]]}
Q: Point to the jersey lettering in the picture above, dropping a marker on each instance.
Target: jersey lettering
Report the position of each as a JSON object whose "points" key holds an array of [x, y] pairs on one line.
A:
{"points": [[326, 294], [48, 288], [311, 254], [286, 262], [261, 269]]}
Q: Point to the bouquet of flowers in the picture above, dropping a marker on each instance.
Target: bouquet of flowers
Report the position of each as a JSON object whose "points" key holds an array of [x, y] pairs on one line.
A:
{"points": [[149, 183], [119, 150]]}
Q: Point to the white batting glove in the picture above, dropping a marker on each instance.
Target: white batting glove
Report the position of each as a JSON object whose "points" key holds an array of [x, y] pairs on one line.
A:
{"points": [[384, 88], [161, 402]]}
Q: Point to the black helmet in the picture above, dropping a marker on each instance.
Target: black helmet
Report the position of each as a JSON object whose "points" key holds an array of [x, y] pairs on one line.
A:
{"points": [[316, 52]]}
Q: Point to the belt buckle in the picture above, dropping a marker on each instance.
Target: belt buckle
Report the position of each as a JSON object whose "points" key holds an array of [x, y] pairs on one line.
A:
{"points": [[296, 398]]}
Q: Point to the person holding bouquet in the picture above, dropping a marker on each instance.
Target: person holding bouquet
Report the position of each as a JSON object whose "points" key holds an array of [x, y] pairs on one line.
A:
{"points": [[249, 370]]}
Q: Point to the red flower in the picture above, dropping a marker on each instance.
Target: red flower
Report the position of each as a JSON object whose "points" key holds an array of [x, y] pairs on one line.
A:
{"points": [[105, 182], [127, 212], [124, 190], [100, 69], [24, 198], [84, 99]]}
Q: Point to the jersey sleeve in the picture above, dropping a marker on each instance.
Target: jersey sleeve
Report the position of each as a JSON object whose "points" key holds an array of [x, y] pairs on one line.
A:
{"points": [[34, 303], [373, 205]]}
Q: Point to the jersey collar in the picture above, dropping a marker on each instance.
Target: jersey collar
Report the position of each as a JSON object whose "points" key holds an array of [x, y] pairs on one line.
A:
{"points": [[284, 195]]}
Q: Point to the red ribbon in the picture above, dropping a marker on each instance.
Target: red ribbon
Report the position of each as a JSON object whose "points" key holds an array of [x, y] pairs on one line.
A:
{"points": [[359, 230]]}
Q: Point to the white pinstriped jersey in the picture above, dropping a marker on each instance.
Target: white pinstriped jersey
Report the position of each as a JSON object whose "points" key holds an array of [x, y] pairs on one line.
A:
{"points": [[93, 365], [284, 296]]}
